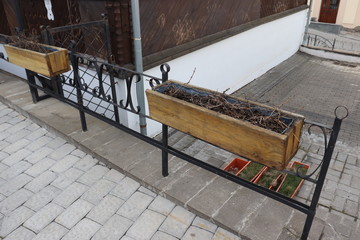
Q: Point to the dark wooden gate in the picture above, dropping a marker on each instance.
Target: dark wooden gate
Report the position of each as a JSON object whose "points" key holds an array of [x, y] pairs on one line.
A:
{"points": [[329, 11]]}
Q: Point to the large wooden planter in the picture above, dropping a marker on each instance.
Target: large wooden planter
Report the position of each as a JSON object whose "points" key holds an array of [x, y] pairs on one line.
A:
{"points": [[49, 64], [240, 137]]}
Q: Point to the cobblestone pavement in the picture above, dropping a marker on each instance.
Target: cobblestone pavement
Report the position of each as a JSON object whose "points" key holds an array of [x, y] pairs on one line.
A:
{"points": [[51, 190]]}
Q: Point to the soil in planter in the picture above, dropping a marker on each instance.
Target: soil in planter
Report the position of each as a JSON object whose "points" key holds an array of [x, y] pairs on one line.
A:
{"points": [[291, 182], [33, 46], [268, 178], [273, 121], [250, 171]]}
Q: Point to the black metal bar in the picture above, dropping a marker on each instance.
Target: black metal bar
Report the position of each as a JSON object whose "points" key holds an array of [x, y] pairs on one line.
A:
{"points": [[79, 95], [321, 179], [165, 154], [33, 90], [114, 97]]}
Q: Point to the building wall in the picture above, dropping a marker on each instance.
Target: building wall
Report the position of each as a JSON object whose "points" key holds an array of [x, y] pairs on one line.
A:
{"points": [[348, 14], [236, 61]]}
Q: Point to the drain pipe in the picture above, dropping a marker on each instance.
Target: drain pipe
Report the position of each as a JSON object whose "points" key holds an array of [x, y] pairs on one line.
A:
{"points": [[140, 92], [308, 19]]}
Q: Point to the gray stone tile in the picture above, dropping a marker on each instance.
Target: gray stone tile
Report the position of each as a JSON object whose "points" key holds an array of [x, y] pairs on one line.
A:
{"points": [[53, 231], [62, 151], [97, 192], [15, 170], [116, 225], [16, 146], [40, 167], [16, 157], [64, 163], [162, 236], [146, 226], [105, 209], [197, 233], [14, 184], [43, 217], [38, 143], [162, 205], [93, 175], [86, 163], [40, 199], [67, 178], [125, 188], [70, 194], [114, 176], [15, 200], [38, 155], [74, 213], [78, 153], [147, 191], [56, 143], [177, 222], [134, 206], [41, 181], [14, 220], [84, 230], [204, 224], [222, 234], [20, 233]]}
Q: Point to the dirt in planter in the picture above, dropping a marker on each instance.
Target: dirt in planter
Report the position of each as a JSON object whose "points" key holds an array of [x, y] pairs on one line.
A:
{"points": [[250, 171], [33, 46], [240, 110]]}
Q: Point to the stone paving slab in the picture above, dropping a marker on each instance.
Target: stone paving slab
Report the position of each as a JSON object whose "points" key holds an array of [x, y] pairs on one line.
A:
{"points": [[127, 154], [98, 203]]}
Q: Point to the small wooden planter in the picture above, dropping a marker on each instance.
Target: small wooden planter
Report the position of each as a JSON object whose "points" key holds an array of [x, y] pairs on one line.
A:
{"points": [[49, 64], [300, 179], [236, 165], [240, 137]]}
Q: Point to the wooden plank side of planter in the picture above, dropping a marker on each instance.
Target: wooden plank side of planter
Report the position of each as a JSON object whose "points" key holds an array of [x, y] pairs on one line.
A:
{"points": [[239, 137], [50, 64]]}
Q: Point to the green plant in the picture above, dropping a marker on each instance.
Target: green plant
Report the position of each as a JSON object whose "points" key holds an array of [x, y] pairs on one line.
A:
{"points": [[250, 171], [268, 178], [291, 182]]}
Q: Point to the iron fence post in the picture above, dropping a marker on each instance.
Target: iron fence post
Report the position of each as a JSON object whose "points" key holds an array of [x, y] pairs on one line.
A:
{"points": [[33, 90], [323, 170], [165, 69], [77, 83]]}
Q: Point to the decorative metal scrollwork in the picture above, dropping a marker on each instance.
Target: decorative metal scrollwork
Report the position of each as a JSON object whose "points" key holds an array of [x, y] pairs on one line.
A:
{"points": [[135, 77]]}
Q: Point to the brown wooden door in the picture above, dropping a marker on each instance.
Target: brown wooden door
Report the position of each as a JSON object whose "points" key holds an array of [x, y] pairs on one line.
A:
{"points": [[329, 11]]}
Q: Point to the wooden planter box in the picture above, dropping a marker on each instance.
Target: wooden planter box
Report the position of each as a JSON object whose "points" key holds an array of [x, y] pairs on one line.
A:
{"points": [[49, 64], [240, 137]]}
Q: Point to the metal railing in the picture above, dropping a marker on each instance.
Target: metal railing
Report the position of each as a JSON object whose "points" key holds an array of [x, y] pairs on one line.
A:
{"points": [[320, 42], [106, 76]]}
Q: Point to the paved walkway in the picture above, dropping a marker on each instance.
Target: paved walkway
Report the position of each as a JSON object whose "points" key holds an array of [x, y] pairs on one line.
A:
{"points": [[49, 189], [313, 87], [234, 208]]}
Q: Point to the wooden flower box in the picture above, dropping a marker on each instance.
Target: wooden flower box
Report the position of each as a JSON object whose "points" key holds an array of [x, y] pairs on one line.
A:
{"points": [[48, 64], [237, 136]]}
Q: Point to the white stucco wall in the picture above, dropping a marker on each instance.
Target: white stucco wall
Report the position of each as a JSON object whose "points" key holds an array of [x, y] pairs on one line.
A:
{"points": [[238, 60]]}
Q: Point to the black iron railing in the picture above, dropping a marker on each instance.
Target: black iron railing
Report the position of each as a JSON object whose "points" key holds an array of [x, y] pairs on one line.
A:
{"points": [[94, 81], [320, 42]]}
